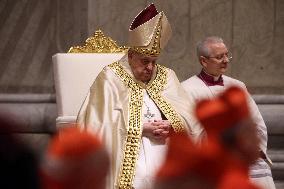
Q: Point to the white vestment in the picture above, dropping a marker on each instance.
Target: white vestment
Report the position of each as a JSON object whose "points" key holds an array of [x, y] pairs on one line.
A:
{"points": [[115, 110], [260, 172], [151, 154]]}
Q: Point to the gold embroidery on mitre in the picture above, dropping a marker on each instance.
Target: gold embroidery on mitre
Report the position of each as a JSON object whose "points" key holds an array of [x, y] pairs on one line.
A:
{"points": [[153, 49], [98, 43]]}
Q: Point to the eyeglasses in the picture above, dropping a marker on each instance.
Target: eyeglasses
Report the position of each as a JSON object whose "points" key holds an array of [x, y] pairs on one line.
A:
{"points": [[222, 56]]}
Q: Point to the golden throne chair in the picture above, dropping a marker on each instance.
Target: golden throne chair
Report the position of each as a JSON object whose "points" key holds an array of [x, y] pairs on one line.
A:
{"points": [[75, 71]]}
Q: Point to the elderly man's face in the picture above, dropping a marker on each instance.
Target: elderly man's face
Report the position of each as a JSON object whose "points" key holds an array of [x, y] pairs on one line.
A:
{"points": [[142, 66], [217, 62]]}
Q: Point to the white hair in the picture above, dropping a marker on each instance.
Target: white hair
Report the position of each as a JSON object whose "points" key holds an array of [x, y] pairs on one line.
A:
{"points": [[202, 46]]}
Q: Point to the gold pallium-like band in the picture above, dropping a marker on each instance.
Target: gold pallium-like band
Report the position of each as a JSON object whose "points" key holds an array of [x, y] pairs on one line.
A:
{"points": [[154, 90], [132, 144]]}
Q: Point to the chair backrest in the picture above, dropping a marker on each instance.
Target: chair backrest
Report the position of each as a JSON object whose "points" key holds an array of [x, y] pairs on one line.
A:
{"points": [[74, 73]]}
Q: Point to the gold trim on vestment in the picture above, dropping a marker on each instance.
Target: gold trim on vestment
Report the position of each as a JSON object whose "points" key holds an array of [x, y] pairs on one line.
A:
{"points": [[134, 130], [154, 90]]}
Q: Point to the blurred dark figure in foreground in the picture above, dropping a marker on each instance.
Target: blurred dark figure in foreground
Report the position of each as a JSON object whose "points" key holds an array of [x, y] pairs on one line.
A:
{"points": [[232, 134], [184, 167], [223, 159], [74, 160], [18, 165]]}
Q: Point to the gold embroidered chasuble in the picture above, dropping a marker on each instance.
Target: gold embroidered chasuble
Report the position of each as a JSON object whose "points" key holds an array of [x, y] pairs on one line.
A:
{"points": [[113, 109]]}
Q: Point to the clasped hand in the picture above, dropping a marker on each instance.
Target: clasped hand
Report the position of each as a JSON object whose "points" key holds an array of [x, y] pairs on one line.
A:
{"points": [[158, 130]]}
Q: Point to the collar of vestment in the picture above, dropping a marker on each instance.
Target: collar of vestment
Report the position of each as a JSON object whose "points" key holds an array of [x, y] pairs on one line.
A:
{"points": [[209, 80], [134, 128]]}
